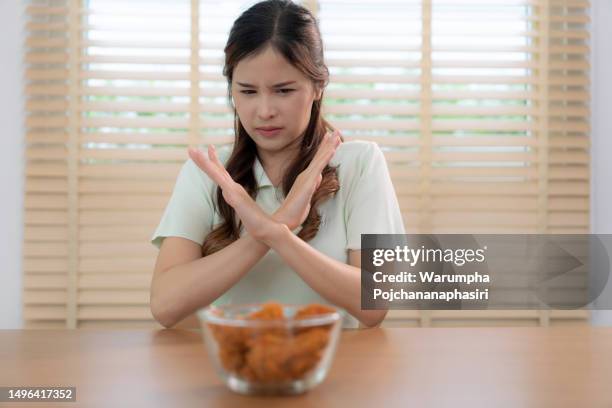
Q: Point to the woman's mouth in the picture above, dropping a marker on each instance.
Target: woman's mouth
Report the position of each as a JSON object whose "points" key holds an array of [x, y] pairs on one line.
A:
{"points": [[269, 131]]}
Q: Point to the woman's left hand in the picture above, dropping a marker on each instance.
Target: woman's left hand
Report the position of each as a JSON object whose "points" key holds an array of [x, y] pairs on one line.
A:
{"points": [[255, 220]]}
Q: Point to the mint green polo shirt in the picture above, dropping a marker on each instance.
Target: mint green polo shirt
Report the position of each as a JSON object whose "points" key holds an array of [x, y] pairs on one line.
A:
{"points": [[366, 203]]}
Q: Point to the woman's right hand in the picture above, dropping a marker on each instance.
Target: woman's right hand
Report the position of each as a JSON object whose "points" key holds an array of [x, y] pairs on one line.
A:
{"points": [[295, 208]]}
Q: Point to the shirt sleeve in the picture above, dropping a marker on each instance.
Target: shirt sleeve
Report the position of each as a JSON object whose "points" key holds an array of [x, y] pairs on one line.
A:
{"points": [[371, 204], [189, 212]]}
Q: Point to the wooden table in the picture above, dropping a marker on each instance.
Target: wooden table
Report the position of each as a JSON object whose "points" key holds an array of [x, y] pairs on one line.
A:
{"points": [[422, 367]]}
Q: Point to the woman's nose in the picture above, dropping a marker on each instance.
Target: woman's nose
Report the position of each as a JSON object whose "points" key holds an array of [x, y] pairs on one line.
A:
{"points": [[266, 108]]}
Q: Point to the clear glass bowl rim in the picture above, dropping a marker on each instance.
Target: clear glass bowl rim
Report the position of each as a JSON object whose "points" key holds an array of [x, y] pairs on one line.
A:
{"points": [[207, 314]]}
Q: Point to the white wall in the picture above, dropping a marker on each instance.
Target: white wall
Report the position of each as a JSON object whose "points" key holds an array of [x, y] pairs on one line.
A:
{"points": [[11, 162], [601, 120], [11, 151]]}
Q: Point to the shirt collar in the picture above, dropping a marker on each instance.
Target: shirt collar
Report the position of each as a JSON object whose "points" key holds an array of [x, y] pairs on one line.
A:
{"points": [[260, 175]]}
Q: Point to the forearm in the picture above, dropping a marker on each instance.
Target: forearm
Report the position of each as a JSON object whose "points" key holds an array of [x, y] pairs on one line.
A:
{"points": [[323, 274], [182, 289]]}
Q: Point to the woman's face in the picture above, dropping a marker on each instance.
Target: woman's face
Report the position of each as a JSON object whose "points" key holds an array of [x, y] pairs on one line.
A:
{"points": [[269, 92]]}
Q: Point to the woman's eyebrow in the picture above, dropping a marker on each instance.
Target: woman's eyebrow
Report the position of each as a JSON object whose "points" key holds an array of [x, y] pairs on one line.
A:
{"points": [[273, 86]]}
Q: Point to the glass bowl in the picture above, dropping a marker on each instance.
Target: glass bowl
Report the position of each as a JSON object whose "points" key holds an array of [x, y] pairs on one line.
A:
{"points": [[271, 348]]}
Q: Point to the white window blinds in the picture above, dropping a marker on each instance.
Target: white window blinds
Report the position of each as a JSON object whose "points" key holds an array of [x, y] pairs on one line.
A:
{"points": [[481, 108]]}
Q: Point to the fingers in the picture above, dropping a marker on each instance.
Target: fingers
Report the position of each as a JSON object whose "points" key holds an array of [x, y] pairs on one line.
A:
{"points": [[326, 151], [210, 165], [214, 159], [212, 154], [323, 150], [198, 158]]}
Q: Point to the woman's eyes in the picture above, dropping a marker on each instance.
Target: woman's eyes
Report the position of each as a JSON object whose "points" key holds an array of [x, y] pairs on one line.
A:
{"points": [[283, 91]]}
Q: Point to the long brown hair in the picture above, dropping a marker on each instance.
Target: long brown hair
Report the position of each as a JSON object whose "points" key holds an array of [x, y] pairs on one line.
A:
{"points": [[293, 32]]}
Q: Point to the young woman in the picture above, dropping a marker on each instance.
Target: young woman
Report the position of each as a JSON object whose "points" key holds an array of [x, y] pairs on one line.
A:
{"points": [[278, 215]]}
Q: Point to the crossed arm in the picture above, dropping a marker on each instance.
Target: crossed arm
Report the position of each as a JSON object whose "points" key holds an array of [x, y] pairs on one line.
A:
{"points": [[335, 281]]}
